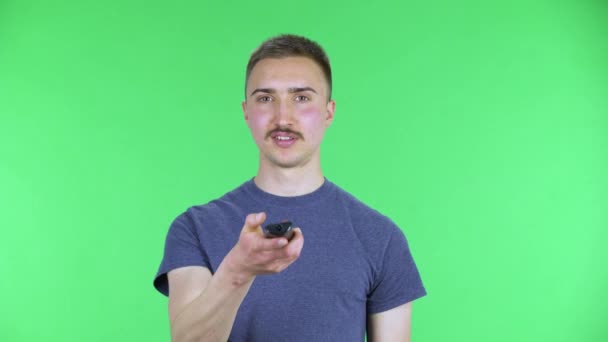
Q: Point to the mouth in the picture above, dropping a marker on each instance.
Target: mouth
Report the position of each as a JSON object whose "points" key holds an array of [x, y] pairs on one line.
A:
{"points": [[284, 138]]}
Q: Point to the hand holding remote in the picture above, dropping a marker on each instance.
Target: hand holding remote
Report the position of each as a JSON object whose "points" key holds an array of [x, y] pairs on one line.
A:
{"points": [[254, 254]]}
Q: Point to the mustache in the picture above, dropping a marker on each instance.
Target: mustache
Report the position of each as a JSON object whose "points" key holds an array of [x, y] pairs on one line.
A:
{"points": [[284, 130]]}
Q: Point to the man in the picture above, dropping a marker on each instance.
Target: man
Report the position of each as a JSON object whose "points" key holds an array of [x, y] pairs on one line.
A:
{"points": [[225, 281]]}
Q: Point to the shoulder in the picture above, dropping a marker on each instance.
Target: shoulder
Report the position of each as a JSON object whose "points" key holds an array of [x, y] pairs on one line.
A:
{"points": [[373, 229], [228, 205], [362, 215]]}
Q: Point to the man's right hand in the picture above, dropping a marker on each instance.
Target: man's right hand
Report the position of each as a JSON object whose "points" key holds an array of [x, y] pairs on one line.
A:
{"points": [[204, 306], [254, 254]]}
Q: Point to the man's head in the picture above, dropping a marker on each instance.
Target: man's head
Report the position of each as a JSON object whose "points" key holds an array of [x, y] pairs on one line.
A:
{"points": [[287, 105], [289, 45]]}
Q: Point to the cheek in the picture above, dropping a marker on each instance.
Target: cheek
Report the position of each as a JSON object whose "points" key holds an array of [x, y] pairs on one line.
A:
{"points": [[312, 119], [309, 110], [258, 121], [257, 113], [310, 115]]}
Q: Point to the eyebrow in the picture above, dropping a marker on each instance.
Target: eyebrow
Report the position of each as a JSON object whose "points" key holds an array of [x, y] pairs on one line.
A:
{"points": [[290, 90]]}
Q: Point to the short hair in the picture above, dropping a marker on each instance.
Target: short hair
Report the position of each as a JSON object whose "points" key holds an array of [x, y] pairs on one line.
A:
{"points": [[290, 45]]}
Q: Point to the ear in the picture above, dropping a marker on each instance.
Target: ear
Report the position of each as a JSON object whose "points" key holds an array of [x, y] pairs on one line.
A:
{"points": [[330, 109], [244, 106]]}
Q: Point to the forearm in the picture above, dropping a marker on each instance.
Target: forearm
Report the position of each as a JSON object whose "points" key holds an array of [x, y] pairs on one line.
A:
{"points": [[211, 315]]}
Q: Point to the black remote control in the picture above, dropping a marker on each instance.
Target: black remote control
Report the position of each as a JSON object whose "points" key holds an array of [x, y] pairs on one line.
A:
{"points": [[282, 229]]}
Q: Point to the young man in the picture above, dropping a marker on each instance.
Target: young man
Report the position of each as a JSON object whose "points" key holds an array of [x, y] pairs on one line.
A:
{"points": [[225, 281]]}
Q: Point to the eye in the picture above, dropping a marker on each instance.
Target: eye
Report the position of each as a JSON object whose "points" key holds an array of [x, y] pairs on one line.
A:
{"points": [[264, 99], [302, 98]]}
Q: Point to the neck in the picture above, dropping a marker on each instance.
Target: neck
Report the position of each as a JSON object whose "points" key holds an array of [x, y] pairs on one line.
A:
{"points": [[294, 181]]}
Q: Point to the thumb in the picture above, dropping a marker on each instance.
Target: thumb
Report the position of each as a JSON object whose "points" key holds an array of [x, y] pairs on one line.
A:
{"points": [[254, 220]]}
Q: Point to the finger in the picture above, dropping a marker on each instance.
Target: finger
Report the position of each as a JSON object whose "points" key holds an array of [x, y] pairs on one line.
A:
{"points": [[297, 236], [265, 244], [281, 242], [253, 221], [296, 244], [297, 233], [286, 250], [274, 256], [282, 257]]}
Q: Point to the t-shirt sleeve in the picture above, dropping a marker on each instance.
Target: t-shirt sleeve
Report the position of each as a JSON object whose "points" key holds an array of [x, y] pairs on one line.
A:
{"points": [[397, 281], [182, 248]]}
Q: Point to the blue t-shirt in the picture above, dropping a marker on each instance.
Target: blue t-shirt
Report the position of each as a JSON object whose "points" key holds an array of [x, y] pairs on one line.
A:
{"points": [[354, 262]]}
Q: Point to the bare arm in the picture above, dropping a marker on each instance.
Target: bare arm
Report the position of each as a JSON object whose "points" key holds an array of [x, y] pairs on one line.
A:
{"points": [[203, 307], [390, 326]]}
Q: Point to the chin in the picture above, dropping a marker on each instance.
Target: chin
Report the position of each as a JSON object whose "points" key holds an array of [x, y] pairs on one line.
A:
{"points": [[286, 163]]}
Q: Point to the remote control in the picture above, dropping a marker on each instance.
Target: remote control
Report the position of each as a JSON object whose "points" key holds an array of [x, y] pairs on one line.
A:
{"points": [[282, 229]]}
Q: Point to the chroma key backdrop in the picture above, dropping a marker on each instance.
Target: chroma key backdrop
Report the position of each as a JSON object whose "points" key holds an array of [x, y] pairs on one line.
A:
{"points": [[479, 127]]}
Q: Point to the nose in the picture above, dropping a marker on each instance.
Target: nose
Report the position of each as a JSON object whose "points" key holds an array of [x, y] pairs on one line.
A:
{"points": [[284, 114]]}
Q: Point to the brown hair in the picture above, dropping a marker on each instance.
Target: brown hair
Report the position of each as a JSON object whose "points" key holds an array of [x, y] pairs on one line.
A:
{"points": [[290, 45]]}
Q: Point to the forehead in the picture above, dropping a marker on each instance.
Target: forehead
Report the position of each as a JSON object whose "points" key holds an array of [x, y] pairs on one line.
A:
{"points": [[287, 72]]}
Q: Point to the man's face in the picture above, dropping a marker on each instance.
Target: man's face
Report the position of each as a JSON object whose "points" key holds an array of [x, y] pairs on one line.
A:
{"points": [[287, 110]]}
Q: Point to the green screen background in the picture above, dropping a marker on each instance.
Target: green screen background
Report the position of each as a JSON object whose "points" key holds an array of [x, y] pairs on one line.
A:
{"points": [[480, 127]]}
